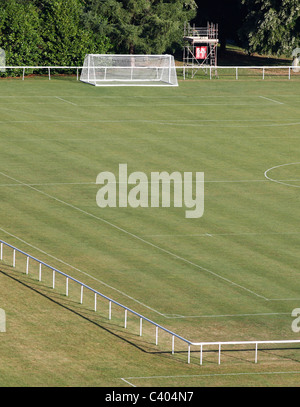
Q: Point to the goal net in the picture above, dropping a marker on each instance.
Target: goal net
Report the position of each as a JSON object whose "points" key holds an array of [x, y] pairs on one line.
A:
{"points": [[130, 70]]}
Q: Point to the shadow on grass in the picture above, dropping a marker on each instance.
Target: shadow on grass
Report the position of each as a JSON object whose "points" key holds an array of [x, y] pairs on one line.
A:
{"points": [[77, 309], [233, 57], [131, 338]]}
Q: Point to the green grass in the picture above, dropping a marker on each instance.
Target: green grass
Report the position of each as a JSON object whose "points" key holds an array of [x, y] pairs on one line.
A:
{"points": [[230, 275]]}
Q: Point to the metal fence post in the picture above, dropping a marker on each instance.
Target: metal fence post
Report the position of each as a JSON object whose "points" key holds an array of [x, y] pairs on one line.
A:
{"points": [[141, 317], [81, 294], [125, 322], [141, 326], [201, 351], [27, 265]]}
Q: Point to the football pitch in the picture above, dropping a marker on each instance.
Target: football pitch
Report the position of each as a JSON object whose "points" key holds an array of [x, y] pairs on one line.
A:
{"points": [[229, 275]]}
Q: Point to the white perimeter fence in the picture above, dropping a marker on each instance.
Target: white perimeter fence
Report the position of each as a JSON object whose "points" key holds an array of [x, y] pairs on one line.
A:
{"points": [[237, 72], [192, 71], [217, 345]]}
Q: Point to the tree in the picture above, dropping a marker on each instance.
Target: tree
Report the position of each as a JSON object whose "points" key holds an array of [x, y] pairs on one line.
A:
{"points": [[47, 32], [65, 40], [271, 26], [228, 14], [20, 35], [142, 26]]}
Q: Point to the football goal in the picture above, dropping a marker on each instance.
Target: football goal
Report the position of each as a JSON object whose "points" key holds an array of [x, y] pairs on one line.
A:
{"points": [[129, 70]]}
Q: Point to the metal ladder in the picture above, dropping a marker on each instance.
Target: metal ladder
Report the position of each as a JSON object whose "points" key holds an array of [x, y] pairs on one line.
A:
{"points": [[213, 58]]}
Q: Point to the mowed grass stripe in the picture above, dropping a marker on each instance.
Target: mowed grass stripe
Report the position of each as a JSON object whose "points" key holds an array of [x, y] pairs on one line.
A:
{"points": [[148, 147], [180, 258]]}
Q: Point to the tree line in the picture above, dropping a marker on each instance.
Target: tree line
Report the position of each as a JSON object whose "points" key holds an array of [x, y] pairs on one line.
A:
{"points": [[61, 32], [270, 27]]}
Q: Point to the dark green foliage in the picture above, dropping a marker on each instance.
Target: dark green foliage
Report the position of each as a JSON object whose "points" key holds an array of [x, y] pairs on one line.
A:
{"points": [[48, 32], [20, 33], [271, 26], [227, 14], [61, 32], [65, 40], [142, 26]]}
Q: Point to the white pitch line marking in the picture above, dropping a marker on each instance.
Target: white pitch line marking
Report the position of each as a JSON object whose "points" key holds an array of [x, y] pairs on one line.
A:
{"points": [[257, 314], [272, 100], [161, 121], [126, 381], [158, 105], [117, 182], [28, 113], [154, 122], [283, 299], [228, 234], [80, 271], [141, 96], [279, 181], [66, 101], [168, 316], [228, 281], [229, 126], [205, 375]]}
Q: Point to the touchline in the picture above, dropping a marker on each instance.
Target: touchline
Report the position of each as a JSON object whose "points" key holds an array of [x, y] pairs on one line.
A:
{"points": [[137, 190]]}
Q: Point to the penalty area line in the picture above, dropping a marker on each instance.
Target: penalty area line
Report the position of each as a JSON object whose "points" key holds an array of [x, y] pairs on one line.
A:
{"points": [[82, 272], [272, 100], [66, 101], [205, 375], [134, 236]]}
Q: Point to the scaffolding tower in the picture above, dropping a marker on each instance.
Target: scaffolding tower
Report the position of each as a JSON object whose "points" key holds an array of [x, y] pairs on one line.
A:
{"points": [[200, 49]]}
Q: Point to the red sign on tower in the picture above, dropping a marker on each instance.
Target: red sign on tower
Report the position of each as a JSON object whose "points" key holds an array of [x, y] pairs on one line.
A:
{"points": [[201, 52]]}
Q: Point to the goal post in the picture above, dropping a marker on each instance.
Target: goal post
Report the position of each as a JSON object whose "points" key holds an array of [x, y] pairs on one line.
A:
{"points": [[129, 70], [2, 60]]}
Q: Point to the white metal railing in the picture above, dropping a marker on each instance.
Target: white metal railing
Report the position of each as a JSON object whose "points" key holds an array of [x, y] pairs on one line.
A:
{"points": [[208, 32], [220, 344], [82, 286], [47, 68], [127, 310], [237, 71]]}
